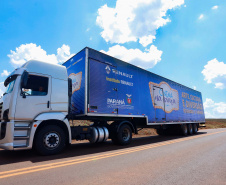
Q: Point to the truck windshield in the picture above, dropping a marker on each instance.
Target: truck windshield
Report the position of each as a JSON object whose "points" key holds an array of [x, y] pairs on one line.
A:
{"points": [[10, 83]]}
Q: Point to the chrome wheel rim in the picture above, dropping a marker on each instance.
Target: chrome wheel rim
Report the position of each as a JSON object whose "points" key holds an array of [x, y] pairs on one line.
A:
{"points": [[51, 140], [190, 129], [125, 134], [185, 129], [195, 128]]}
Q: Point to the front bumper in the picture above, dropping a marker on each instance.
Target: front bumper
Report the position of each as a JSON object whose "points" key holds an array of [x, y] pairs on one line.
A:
{"points": [[6, 135]]}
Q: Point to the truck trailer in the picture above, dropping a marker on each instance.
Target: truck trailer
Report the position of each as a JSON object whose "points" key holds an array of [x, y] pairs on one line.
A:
{"points": [[43, 100]]}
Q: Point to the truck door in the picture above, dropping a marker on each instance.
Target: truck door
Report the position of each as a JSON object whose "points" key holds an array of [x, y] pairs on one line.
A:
{"points": [[159, 104], [102, 88], [36, 97]]}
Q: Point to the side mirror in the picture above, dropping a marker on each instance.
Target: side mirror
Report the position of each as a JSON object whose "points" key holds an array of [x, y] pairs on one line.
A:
{"points": [[69, 87], [23, 83], [24, 79], [69, 95]]}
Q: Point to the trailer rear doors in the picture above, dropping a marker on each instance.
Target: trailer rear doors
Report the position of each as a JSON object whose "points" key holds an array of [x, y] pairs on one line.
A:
{"points": [[102, 88], [159, 104]]}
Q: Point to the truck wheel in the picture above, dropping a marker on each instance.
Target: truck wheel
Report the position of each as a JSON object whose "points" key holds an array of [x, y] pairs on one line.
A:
{"points": [[50, 140], [195, 128], [190, 129], [184, 129], [123, 136]]}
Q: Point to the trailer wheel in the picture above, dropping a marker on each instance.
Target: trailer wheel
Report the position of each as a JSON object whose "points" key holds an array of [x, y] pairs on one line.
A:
{"points": [[50, 140], [123, 136], [184, 129], [195, 128], [190, 129]]}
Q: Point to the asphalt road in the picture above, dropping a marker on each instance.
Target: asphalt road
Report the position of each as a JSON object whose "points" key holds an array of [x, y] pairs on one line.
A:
{"points": [[198, 159]]}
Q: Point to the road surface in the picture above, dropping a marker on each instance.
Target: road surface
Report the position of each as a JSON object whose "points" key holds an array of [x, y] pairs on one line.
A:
{"points": [[197, 159]]}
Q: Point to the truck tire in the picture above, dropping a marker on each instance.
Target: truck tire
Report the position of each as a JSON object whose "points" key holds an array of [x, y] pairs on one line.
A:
{"points": [[195, 128], [50, 140], [184, 130], [123, 136], [190, 129]]}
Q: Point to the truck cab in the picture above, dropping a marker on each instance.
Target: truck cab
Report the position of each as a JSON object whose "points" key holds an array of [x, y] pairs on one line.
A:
{"points": [[35, 93]]}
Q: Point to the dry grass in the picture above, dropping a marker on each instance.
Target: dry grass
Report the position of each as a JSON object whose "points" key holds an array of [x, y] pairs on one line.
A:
{"points": [[210, 124], [147, 131], [215, 123]]}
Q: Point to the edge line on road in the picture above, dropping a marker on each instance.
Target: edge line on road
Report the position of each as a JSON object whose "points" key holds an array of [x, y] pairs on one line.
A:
{"points": [[32, 169]]}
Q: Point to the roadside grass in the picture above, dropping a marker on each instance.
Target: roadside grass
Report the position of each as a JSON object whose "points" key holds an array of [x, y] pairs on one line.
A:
{"points": [[215, 123], [210, 124]]}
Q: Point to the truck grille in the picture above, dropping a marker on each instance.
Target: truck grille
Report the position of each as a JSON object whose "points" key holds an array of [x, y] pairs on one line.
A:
{"points": [[1, 105]]}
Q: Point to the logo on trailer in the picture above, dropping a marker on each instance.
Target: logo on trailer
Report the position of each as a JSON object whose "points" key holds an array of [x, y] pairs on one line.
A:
{"points": [[164, 97], [115, 101], [76, 81], [108, 69], [129, 99]]}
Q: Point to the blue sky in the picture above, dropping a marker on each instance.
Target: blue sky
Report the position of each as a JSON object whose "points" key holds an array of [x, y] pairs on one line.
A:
{"points": [[181, 40]]}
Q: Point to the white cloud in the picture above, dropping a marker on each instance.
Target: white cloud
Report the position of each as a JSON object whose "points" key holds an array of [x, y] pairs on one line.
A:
{"points": [[30, 51], [219, 85], [63, 53], [146, 40], [214, 110], [133, 20], [201, 16], [2, 88], [147, 59], [215, 7], [5, 73], [194, 87], [215, 72]]}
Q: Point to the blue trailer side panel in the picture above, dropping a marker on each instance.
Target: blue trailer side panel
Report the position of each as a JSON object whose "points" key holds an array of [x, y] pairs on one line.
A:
{"points": [[140, 92], [76, 71], [101, 90]]}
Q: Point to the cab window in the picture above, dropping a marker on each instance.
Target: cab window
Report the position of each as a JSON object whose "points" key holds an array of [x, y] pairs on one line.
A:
{"points": [[36, 86]]}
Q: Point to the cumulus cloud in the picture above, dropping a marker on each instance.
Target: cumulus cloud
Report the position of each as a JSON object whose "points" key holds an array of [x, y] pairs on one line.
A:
{"points": [[201, 16], [215, 7], [5, 73], [63, 53], [133, 20], [215, 72], [147, 59], [26, 52], [214, 110]]}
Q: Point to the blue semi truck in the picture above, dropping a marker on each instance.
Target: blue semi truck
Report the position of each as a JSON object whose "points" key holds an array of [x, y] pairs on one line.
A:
{"points": [[42, 100]]}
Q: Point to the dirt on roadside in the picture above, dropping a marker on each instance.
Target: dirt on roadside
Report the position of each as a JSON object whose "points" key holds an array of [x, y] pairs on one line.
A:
{"points": [[210, 124], [215, 123]]}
